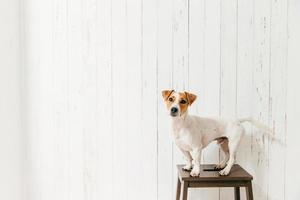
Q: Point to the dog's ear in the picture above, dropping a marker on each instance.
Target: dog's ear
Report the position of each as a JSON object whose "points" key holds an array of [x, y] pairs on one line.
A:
{"points": [[166, 93], [190, 97]]}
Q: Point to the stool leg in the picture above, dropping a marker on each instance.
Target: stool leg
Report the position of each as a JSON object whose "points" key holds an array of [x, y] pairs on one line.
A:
{"points": [[178, 189], [249, 191], [184, 190], [237, 193]]}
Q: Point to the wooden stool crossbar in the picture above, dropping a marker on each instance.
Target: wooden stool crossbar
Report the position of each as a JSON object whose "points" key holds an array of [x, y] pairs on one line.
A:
{"points": [[209, 177]]}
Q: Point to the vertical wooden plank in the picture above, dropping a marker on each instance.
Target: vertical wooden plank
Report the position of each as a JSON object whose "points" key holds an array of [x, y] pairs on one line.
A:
{"points": [[45, 126], [196, 53], [196, 64], [60, 81], [212, 79], [293, 99], [76, 101], [245, 62], [228, 73], [12, 142], [278, 91], [25, 180], [104, 99], [261, 86], [38, 62], [31, 66], [89, 95], [149, 98], [47, 102], [180, 44], [180, 66], [164, 81], [228, 56], [134, 71], [119, 100]]}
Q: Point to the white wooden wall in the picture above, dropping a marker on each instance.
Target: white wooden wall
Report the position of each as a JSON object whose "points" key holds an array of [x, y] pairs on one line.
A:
{"points": [[96, 124], [11, 137]]}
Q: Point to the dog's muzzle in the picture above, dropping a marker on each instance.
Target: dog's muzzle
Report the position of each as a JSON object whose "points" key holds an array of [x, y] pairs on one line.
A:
{"points": [[174, 111]]}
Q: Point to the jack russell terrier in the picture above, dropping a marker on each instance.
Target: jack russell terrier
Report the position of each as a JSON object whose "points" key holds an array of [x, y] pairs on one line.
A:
{"points": [[193, 133]]}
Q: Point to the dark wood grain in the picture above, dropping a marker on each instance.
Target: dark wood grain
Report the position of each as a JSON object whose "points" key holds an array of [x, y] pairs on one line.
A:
{"points": [[249, 192], [184, 190], [237, 193], [178, 189], [209, 173]]}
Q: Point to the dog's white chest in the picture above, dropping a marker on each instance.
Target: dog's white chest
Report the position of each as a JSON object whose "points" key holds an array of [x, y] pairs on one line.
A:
{"points": [[183, 140]]}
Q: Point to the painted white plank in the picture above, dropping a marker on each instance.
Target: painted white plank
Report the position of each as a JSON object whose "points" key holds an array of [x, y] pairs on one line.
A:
{"points": [[165, 165], [228, 73], [293, 99], [12, 145], [196, 53], [134, 103], [76, 100], [261, 86], [104, 99], [89, 96], [46, 108], [60, 81], [228, 56], [31, 31], [180, 45], [149, 98], [46, 100], [278, 91], [119, 91]]}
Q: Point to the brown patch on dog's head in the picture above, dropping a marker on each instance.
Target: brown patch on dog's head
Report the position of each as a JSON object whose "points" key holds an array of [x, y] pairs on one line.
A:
{"points": [[169, 97], [183, 102], [190, 97], [166, 93]]}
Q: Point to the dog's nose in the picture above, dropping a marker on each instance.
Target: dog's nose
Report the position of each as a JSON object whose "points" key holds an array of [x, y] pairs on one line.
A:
{"points": [[174, 110]]}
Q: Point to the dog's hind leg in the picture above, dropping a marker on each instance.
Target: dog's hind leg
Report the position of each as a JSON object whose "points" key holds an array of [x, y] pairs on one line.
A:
{"points": [[223, 143], [233, 143], [232, 151]]}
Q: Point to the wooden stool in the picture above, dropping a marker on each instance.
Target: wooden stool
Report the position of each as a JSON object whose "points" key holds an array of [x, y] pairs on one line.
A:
{"points": [[209, 177]]}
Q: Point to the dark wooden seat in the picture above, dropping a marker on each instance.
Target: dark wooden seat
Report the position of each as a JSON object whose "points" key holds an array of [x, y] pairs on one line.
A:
{"points": [[209, 177]]}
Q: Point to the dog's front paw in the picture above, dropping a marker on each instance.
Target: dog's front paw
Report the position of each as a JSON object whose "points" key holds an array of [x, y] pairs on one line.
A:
{"points": [[224, 172], [195, 172], [187, 168]]}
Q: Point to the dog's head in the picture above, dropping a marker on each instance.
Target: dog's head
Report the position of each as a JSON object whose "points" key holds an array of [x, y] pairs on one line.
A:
{"points": [[178, 102]]}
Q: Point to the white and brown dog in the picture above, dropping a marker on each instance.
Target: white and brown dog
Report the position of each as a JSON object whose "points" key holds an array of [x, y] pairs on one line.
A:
{"points": [[193, 133]]}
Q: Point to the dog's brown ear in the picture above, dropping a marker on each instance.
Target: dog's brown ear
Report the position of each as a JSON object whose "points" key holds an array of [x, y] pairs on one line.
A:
{"points": [[190, 97], [166, 93]]}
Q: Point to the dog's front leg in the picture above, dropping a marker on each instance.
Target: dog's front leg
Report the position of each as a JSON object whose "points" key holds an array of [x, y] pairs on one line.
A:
{"points": [[188, 158], [197, 160]]}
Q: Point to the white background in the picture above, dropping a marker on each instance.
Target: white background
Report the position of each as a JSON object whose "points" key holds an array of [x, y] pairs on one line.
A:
{"points": [[82, 116]]}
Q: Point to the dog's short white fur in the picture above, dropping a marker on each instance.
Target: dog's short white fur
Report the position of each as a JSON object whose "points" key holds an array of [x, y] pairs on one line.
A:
{"points": [[193, 133]]}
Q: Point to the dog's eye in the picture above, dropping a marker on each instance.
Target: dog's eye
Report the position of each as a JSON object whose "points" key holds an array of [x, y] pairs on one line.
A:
{"points": [[171, 99], [182, 101]]}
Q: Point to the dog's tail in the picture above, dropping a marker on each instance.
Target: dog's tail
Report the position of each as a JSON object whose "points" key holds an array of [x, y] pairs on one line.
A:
{"points": [[267, 130]]}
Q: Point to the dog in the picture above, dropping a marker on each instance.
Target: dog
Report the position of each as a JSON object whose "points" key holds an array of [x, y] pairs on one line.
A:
{"points": [[193, 133]]}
